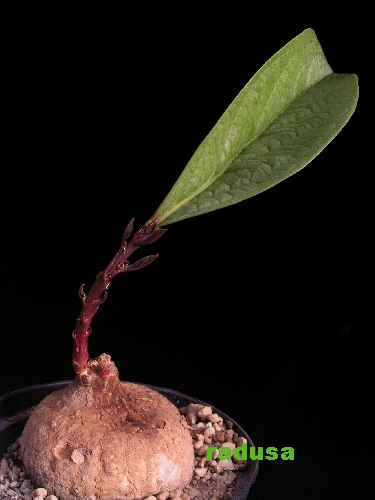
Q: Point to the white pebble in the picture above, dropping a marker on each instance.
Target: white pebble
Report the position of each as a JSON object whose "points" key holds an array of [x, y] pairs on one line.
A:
{"points": [[77, 457], [200, 427], [209, 432], [51, 497], [201, 471], [214, 418], [163, 496], [194, 408], [198, 445], [40, 492], [226, 464], [204, 412]]}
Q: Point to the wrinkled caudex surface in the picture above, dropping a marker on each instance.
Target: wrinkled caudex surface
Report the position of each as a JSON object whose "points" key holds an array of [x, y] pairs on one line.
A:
{"points": [[99, 437]]}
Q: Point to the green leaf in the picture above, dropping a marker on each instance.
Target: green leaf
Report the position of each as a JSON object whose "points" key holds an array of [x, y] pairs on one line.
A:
{"points": [[288, 112]]}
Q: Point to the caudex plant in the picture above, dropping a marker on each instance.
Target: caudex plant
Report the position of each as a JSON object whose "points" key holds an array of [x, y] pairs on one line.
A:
{"points": [[100, 438]]}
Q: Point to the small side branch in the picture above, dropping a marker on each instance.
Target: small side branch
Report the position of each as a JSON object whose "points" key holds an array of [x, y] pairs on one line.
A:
{"points": [[91, 301]]}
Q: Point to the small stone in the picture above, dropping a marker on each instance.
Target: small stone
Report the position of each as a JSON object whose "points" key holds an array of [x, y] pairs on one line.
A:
{"points": [[200, 471], [226, 464], [14, 484], [191, 418], [220, 436], [4, 486], [13, 476], [194, 408], [204, 412], [77, 457], [193, 492], [214, 418], [40, 492], [229, 435], [229, 444], [183, 410], [200, 427], [163, 496], [4, 464], [209, 432], [198, 445], [151, 497], [241, 441], [202, 450], [51, 497]]}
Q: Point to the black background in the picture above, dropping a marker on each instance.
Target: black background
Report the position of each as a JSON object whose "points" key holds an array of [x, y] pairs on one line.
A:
{"points": [[262, 309]]}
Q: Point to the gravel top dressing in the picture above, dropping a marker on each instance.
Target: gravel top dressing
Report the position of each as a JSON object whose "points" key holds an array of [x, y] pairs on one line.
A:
{"points": [[212, 479]]}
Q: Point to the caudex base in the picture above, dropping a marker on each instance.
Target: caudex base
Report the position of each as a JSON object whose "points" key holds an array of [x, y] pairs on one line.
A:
{"points": [[100, 438]]}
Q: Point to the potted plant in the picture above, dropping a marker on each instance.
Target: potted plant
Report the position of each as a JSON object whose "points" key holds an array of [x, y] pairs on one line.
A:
{"points": [[102, 438]]}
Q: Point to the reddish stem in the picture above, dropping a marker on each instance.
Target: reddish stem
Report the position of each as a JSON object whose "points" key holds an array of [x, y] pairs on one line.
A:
{"points": [[149, 233]]}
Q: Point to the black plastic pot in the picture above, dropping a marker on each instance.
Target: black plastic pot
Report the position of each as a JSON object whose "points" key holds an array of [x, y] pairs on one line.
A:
{"points": [[15, 409]]}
